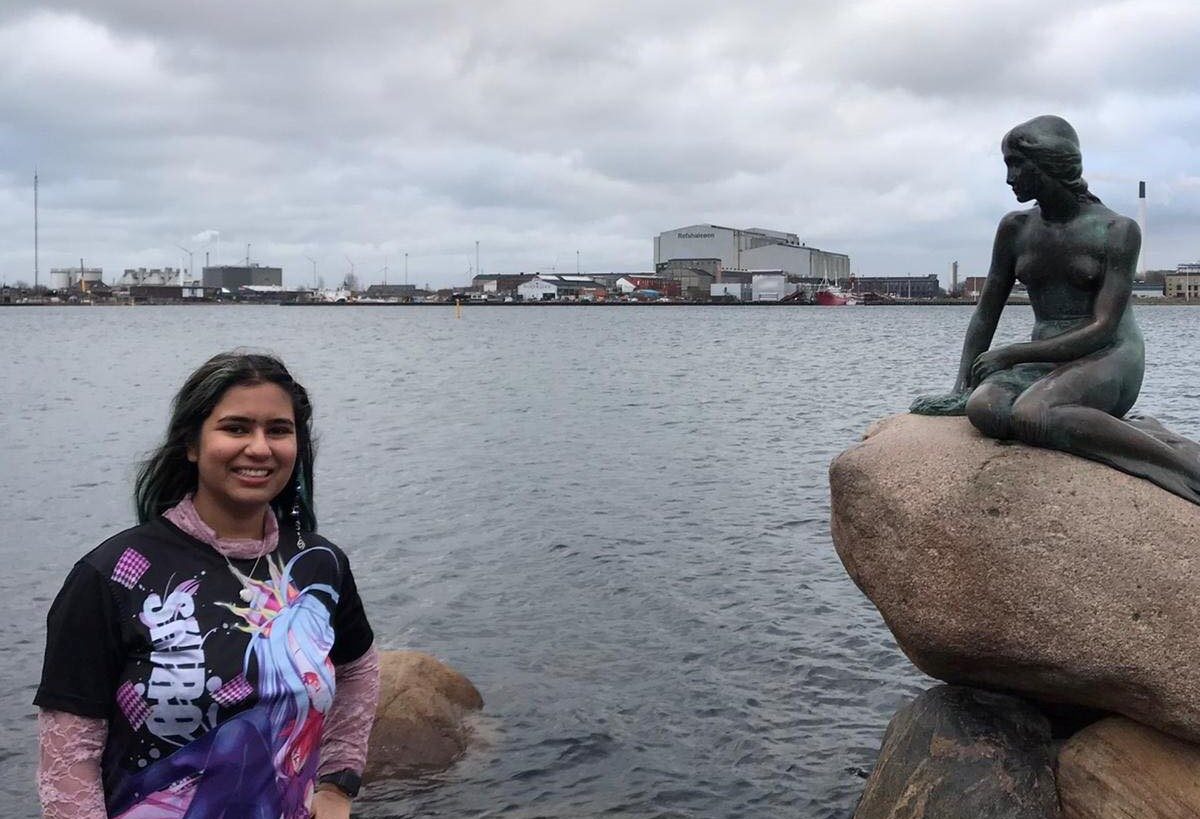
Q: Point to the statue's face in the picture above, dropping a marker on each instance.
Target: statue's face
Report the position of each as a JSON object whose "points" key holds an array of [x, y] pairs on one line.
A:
{"points": [[1024, 177]]}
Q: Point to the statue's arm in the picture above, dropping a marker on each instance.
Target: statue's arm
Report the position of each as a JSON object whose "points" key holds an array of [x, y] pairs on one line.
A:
{"points": [[999, 283], [1123, 241], [996, 290]]}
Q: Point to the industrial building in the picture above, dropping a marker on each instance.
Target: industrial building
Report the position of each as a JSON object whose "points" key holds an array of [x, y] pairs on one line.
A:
{"points": [[695, 276], [141, 277], [972, 286], [231, 277], [551, 288], [660, 285], [501, 284], [169, 294], [75, 278], [752, 249], [905, 287], [1184, 283], [1147, 290]]}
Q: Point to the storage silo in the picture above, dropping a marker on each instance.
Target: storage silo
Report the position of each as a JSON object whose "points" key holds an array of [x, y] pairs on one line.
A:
{"points": [[61, 278]]}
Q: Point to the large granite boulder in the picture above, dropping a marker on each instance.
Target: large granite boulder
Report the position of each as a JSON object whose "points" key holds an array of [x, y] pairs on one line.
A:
{"points": [[962, 752], [421, 723], [1029, 570], [1116, 769]]}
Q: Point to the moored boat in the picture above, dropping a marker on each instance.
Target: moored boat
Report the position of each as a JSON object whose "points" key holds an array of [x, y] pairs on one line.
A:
{"points": [[830, 295]]}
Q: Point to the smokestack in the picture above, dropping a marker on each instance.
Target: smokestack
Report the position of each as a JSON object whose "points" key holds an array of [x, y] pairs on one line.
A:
{"points": [[1141, 269], [954, 278]]}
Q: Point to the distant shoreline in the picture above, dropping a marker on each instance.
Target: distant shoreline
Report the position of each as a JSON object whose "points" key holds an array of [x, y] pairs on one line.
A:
{"points": [[1158, 302]]}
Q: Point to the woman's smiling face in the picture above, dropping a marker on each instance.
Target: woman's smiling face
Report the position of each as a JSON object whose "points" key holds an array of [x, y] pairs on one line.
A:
{"points": [[244, 456]]}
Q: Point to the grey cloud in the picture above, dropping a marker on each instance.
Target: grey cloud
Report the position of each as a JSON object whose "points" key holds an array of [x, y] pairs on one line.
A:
{"points": [[372, 128]]}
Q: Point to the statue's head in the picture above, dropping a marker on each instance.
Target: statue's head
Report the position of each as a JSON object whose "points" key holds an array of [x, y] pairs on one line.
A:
{"points": [[1049, 144]]}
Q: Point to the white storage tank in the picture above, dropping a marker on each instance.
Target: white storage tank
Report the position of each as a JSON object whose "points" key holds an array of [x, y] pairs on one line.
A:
{"points": [[61, 279]]}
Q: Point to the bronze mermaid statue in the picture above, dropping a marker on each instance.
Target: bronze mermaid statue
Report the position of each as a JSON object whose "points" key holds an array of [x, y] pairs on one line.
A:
{"points": [[1068, 387]]}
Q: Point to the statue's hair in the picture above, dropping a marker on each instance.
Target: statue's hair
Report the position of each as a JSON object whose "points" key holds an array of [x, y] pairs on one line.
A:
{"points": [[1052, 144], [167, 476]]}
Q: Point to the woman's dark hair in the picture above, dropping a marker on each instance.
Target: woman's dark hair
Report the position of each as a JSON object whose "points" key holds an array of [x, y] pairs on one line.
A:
{"points": [[167, 475], [1052, 144]]}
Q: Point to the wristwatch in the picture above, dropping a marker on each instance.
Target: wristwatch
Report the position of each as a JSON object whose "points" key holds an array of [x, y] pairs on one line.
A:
{"points": [[346, 781]]}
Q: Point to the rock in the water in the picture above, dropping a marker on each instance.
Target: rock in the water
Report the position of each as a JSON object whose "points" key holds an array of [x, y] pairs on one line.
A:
{"points": [[1025, 569], [963, 753], [1117, 769], [419, 725]]}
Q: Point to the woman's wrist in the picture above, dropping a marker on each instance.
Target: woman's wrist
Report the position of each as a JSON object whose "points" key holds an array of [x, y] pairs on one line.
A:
{"points": [[345, 782], [330, 802], [329, 787]]}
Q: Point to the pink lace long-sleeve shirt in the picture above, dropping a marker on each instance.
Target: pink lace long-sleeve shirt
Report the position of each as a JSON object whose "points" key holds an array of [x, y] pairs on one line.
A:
{"points": [[70, 746]]}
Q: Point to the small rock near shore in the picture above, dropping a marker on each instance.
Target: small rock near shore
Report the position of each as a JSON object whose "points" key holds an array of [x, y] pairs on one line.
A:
{"points": [[420, 723]]}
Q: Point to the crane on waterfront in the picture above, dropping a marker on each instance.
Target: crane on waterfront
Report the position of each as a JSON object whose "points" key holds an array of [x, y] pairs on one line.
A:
{"points": [[191, 267]]}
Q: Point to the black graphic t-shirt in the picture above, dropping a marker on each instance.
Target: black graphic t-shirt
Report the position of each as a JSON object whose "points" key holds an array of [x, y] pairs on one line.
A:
{"points": [[214, 675]]}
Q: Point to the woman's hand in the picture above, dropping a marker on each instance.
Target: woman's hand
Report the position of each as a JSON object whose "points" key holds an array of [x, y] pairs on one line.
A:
{"points": [[330, 803], [990, 362]]}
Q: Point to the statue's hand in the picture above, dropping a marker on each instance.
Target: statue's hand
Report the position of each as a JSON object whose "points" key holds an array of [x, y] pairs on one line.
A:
{"points": [[988, 363], [952, 403]]}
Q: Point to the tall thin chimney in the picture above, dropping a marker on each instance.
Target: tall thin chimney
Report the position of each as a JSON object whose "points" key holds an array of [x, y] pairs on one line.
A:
{"points": [[35, 230], [954, 278], [1141, 269]]}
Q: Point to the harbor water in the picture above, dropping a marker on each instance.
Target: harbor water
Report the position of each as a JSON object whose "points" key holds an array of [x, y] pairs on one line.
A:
{"points": [[615, 521]]}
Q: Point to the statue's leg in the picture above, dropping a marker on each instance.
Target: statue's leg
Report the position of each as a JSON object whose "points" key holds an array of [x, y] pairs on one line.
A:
{"points": [[1072, 410], [989, 409]]}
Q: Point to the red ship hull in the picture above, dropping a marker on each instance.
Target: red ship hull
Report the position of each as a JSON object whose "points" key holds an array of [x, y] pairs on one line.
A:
{"points": [[833, 297]]}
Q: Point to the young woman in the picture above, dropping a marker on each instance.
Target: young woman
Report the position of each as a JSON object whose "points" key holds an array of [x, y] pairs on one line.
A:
{"points": [[1068, 387], [215, 660]]}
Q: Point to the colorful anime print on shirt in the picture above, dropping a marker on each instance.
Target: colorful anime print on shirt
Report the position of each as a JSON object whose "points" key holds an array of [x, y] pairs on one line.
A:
{"points": [[214, 676], [262, 760]]}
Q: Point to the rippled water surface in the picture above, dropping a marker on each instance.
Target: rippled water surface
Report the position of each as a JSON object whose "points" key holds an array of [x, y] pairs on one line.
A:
{"points": [[613, 520]]}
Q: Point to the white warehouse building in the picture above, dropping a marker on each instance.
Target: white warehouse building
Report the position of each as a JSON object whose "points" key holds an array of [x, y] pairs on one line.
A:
{"points": [[748, 250]]}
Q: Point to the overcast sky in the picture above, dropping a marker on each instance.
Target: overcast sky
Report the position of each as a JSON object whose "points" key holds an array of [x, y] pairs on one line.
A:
{"points": [[356, 132]]}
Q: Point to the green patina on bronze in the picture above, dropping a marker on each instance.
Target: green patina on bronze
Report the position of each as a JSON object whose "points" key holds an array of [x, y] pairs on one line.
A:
{"points": [[1070, 385]]}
